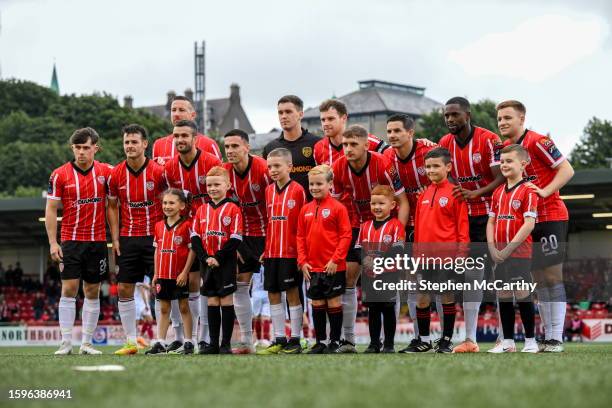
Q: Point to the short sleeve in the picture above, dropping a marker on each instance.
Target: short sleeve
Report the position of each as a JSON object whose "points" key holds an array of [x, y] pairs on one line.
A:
{"points": [[494, 204], [393, 177], [338, 185], [55, 190], [530, 205], [546, 151], [494, 148], [236, 231]]}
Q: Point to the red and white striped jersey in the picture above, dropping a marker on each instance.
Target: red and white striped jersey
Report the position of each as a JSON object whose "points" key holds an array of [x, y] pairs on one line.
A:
{"points": [[545, 157], [83, 197], [325, 152], [138, 192], [472, 161], [283, 210], [412, 172], [216, 224], [377, 237], [250, 188], [192, 178], [164, 148], [173, 243], [353, 188], [510, 207]]}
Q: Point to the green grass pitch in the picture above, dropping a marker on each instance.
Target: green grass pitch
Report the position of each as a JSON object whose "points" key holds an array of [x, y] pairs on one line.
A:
{"points": [[580, 377]]}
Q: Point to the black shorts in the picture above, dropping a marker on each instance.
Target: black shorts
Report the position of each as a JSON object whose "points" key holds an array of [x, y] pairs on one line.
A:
{"points": [[353, 254], [478, 228], [167, 289], [220, 281], [324, 286], [514, 270], [549, 243], [250, 250], [281, 274], [136, 260], [409, 233], [84, 260]]}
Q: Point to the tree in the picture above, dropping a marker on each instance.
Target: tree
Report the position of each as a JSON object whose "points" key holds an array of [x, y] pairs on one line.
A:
{"points": [[594, 147], [36, 124], [432, 126]]}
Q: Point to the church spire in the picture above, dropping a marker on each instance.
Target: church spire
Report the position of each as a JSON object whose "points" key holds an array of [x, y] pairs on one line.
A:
{"points": [[54, 82]]}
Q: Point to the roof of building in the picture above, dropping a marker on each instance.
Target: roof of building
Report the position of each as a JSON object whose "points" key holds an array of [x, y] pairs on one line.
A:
{"points": [[216, 109], [382, 96]]}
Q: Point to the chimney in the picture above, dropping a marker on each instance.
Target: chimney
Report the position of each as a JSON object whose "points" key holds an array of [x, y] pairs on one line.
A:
{"points": [[169, 97], [189, 94], [128, 102], [234, 93]]}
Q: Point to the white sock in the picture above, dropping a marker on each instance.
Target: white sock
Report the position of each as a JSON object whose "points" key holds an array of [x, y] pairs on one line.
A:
{"points": [[508, 343], [412, 313], [426, 339], [349, 314], [177, 321], [440, 312], [244, 312], [204, 336], [67, 313], [557, 311], [277, 313], [470, 314], [194, 308], [127, 313], [529, 341], [296, 314], [89, 317]]}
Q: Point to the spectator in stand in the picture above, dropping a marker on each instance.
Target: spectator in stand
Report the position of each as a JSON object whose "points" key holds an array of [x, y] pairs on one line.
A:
{"points": [[38, 305], [114, 296], [2, 274], [105, 292], [8, 276], [17, 274], [574, 328]]}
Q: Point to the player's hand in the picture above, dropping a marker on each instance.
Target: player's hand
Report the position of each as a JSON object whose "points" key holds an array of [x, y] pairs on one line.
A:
{"points": [[212, 262], [116, 249], [153, 282], [460, 192], [56, 252], [182, 279], [421, 190], [426, 142], [239, 257], [496, 256], [368, 262], [331, 268], [261, 259], [539, 191], [306, 271]]}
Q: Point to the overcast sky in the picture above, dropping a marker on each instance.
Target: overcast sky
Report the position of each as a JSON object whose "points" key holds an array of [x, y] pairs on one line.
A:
{"points": [[554, 56]]}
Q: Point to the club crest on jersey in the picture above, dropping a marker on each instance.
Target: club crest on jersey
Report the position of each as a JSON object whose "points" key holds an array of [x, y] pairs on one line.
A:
{"points": [[325, 213], [202, 179], [291, 204], [255, 187], [178, 240], [387, 238], [150, 185], [516, 204], [476, 157], [227, 220], [421, 171], [101, 179], [443, 201], [307, 151]]}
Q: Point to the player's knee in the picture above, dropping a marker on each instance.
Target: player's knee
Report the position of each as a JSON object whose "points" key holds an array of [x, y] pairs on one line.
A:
{"points": [[335, 301], [505, 295], [523, 296], [274, 298], [213, 301], [293, 296], [164, 307], [227, 300], [244, 277], [184, 306], [91, 290], [126, 290]]}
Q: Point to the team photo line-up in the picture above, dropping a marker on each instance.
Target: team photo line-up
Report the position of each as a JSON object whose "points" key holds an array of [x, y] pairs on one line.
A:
{"points": [[303, 218]]}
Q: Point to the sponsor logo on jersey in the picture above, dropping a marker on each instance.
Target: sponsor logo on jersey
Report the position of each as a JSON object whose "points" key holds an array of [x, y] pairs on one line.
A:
{"points": [[325, 213], [307, 151], [469, 179], [505, 217], [291, 204], [425, 202], [150, 185], [140, 204], [516, 204], [278, 218], [101, 179], [227, 220], [178, 240], [443, 201], [301, 169], [168, 251], [476, 157], [92, 200], [212, 233]]}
